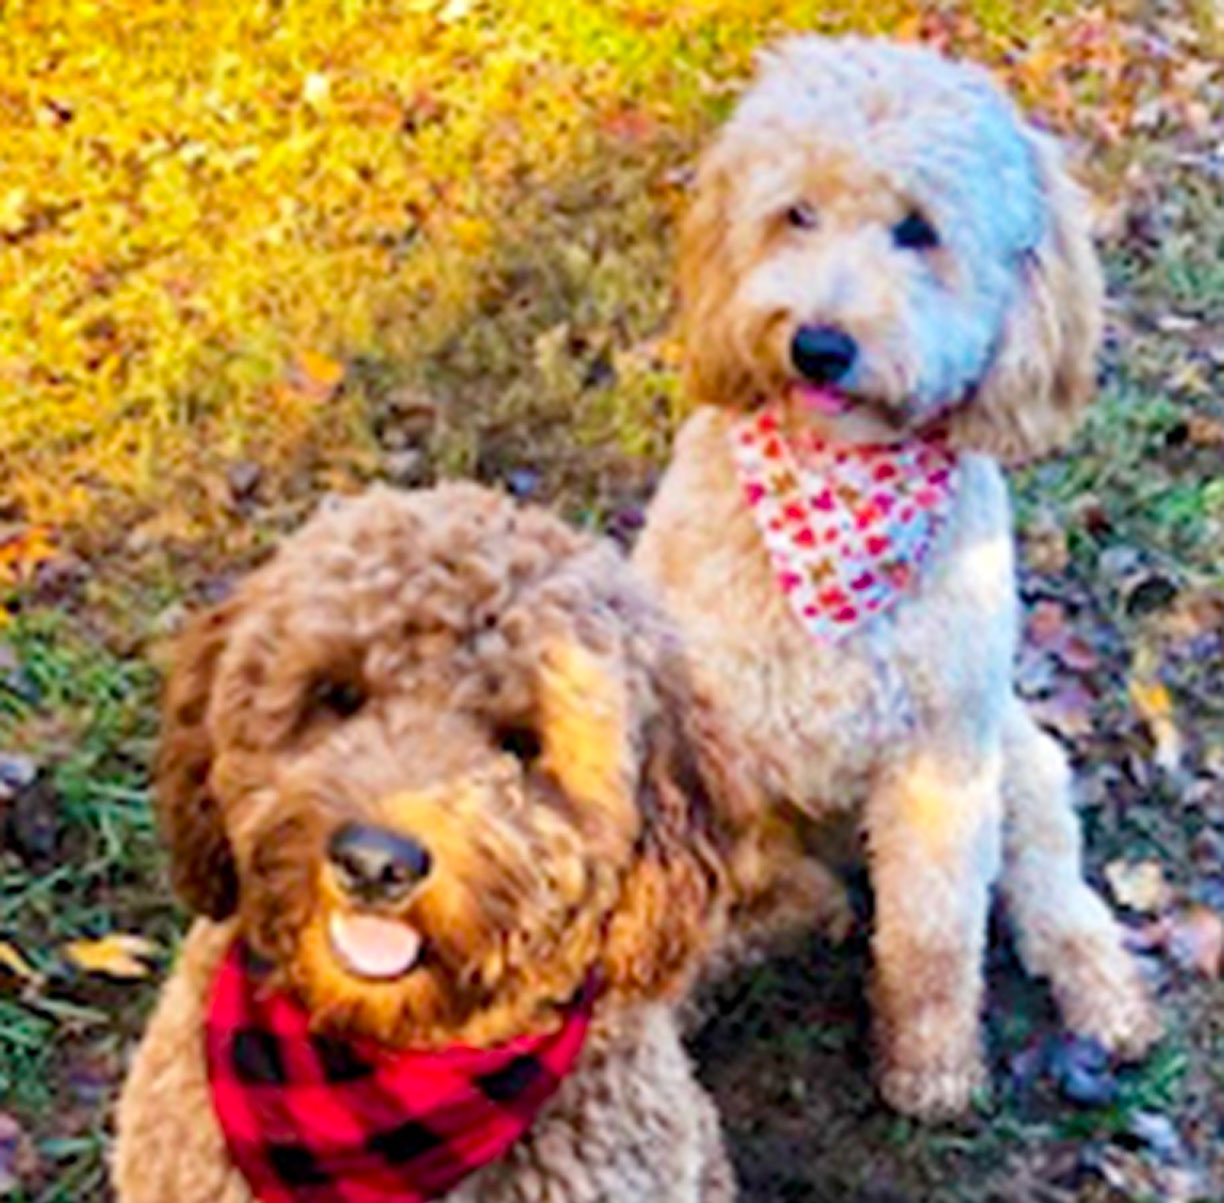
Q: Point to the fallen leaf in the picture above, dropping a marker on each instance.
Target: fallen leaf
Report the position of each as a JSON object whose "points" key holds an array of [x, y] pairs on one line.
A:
{"points": [[17, 772], [18, 1160], [1045, 544], [1196, 940], [15, 963], [1081, 1068], [630, 125], [315, 375], [316, 90], [1067, 711], [1205, 431], [23, 550], [1047, 625], [1154, 705], [1036, 672], [117, 955], [1139, 885]]}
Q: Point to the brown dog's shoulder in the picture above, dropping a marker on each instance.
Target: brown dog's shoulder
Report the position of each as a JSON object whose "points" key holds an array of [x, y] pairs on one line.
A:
{"points": [[168, 1144]]}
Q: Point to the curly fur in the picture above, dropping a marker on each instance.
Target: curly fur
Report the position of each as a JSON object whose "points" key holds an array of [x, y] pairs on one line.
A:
{"points": [[515, 702], [909, 727]]}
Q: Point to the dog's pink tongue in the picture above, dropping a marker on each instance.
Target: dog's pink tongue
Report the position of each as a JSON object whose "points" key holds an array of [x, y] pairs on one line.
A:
{"points": [[826, 402], [372, 946]]}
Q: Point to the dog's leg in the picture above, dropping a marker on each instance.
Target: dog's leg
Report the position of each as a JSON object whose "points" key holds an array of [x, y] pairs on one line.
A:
{"points": [[933, 842], [1065, 931], [717, 1177]]}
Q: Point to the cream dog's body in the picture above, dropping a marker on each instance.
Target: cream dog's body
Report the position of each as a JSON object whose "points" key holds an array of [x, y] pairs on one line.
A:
{"points": [[909, 723]]}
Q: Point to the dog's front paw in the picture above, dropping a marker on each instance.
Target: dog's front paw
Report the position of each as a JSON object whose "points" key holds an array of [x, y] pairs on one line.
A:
{"points": [[1125, 1022], [933, 1094], [1105, 997]]}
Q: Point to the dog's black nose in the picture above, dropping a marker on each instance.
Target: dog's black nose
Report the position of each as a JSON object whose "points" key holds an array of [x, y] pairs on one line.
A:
{"points": [[374, 864], [823, 354]]}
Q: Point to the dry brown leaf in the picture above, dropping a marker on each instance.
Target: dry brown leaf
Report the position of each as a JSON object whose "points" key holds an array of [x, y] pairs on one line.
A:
{"points": [[1047, 625], [1196, 940], [1205, 431], [117, 955], [1067, 711], [1139, 885], [1045, 545], [18, 1160]]}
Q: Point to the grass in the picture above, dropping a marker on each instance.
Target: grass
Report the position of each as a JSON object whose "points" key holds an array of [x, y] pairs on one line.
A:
{"points": [[214, 256], [200, 240]]}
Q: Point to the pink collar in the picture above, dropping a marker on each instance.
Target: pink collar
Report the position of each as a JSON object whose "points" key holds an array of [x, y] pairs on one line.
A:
{"points": [[846, 527]]}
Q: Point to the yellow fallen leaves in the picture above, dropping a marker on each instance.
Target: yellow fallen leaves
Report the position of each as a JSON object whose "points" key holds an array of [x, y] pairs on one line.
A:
{"points": [[1154, 705], [22, 550], [16, 964], [118, 955], [197, 191]]}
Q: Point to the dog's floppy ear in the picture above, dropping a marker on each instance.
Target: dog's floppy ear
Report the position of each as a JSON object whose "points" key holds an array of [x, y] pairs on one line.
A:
{"points": [[714, 373], [201, 862], [1044, 372], [696, 804]]}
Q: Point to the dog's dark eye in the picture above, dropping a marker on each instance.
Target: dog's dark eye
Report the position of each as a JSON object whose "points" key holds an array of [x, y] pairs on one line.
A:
{"points": [[520, 742], [915, 233], [342, 698], [801, 215]]}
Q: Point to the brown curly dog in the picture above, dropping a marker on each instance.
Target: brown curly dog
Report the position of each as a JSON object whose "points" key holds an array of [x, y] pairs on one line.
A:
{"points": [[437, 765]]}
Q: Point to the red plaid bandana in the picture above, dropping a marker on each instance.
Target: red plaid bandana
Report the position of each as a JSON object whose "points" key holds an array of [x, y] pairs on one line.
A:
{"points": [[310, 1119], [846, 527]]}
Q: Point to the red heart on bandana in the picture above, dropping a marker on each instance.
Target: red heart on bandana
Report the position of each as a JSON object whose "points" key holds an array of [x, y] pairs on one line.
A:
{"points": [[847, 614], [754, 491], [884, 472], [772, 449], [789, 581], [832, 596], [884, 502], [794, 512], [805, 537], [876, 544], [824, 501], [927, 498], [863, 581], [832, 535], [869, 515]]}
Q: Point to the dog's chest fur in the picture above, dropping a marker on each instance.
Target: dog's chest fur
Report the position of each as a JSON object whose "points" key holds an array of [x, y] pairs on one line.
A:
{"points": [[834, 715]]}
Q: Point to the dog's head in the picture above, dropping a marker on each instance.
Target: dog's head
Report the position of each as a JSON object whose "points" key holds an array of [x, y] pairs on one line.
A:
{"points": [[880, 238], [444, 762]]}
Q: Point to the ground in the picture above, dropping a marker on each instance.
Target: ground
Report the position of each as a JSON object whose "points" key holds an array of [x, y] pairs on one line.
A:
{"points": [[250, 256]]}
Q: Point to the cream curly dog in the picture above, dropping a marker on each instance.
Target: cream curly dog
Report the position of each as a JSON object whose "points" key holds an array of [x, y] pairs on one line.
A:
{"points": [[887, 285], [434, 778]]}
